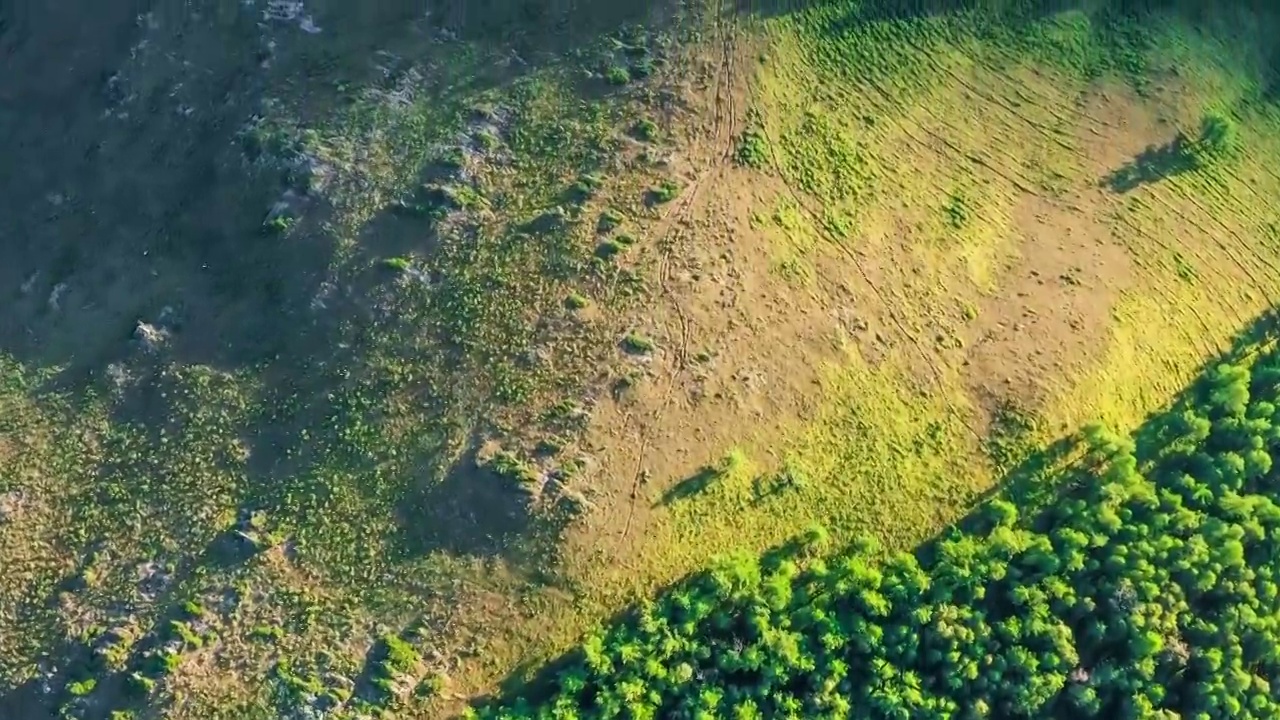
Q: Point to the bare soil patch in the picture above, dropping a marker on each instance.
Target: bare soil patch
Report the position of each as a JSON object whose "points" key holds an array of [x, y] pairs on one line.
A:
{"points": [[1051, 314]]}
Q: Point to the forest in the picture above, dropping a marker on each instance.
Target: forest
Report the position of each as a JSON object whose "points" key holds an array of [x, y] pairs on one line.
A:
{"points": [[1148, 590]]}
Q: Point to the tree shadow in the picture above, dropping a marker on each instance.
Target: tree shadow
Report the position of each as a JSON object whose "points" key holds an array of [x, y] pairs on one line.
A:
{"points": [[1152, 165], [693, 485], [1034, 486], [475, 509]]}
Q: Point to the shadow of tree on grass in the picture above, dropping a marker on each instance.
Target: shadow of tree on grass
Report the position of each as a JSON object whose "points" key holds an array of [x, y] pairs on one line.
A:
{"points": [[1152, 165], [693, 485]]}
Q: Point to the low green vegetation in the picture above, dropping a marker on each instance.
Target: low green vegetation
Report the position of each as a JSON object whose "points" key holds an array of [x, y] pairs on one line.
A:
{"points": [[617, 75], [1147, 590], [638, 343], [645, 130], [1219, 139], [753, 150], [664, 192]]}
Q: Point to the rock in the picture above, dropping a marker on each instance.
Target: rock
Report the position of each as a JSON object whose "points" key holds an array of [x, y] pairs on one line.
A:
{"points": [[152, 580], [55, 296], [11, 505], [151, 337]]}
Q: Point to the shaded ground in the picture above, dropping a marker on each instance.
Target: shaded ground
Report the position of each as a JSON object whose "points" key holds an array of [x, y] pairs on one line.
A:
{"points": [[1152, 165]]}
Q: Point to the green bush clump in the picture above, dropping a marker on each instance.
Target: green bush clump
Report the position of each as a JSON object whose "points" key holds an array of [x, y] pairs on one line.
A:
{"points": [[617, 75], [645, 130], [752, 152], [638, 344], [664, 192], [1148, 590], [397, 659], [576, 301], [1219, 139], [610, 248], [397, 264], [609, 220]]}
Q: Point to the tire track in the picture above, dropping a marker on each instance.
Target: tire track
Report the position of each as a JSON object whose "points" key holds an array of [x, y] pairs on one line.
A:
{"points": [[672, 230]]}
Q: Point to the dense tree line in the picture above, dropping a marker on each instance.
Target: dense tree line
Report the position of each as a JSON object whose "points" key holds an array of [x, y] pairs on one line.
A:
{"points": [[1150, 590]]}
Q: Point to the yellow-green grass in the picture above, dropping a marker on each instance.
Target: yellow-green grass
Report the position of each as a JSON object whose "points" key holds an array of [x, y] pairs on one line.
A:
{"points": [[877, 131]]}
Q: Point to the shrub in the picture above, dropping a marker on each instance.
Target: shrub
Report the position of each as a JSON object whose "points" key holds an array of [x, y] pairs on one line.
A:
{"points": [[638, 344], [752, 152], [617, 75], [733, 463], [609, 220], [664, 192], [267, 632], [610, 248], [576, 301], [645, 130], [1219, 139], [278, 224]]}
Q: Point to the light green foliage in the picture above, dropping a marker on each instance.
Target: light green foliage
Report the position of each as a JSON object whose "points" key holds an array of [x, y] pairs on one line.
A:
{"points": [[576, 301], [617, 75], [1149, 586], [398, 264], [1219, 139], [734, 463], [664, 192], [637, 343], [267, 632]]}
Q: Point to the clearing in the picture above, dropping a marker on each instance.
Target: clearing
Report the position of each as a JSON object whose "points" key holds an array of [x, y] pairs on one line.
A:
{"points": [[361, 357]]}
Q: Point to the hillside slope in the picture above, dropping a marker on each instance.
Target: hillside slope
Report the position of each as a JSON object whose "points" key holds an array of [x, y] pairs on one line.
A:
{"points": [[361, 357]]}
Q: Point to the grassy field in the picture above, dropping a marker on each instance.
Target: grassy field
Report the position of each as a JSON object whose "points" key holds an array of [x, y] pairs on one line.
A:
{"points": [[395, 368]]}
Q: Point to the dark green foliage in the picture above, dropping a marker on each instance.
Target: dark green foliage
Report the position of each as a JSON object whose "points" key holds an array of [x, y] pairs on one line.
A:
{"points": [[753, 150], [1148, 590], [665, 192], [645, 130], [584, 188], [957, 211], [609, 220], [610, 248]]}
